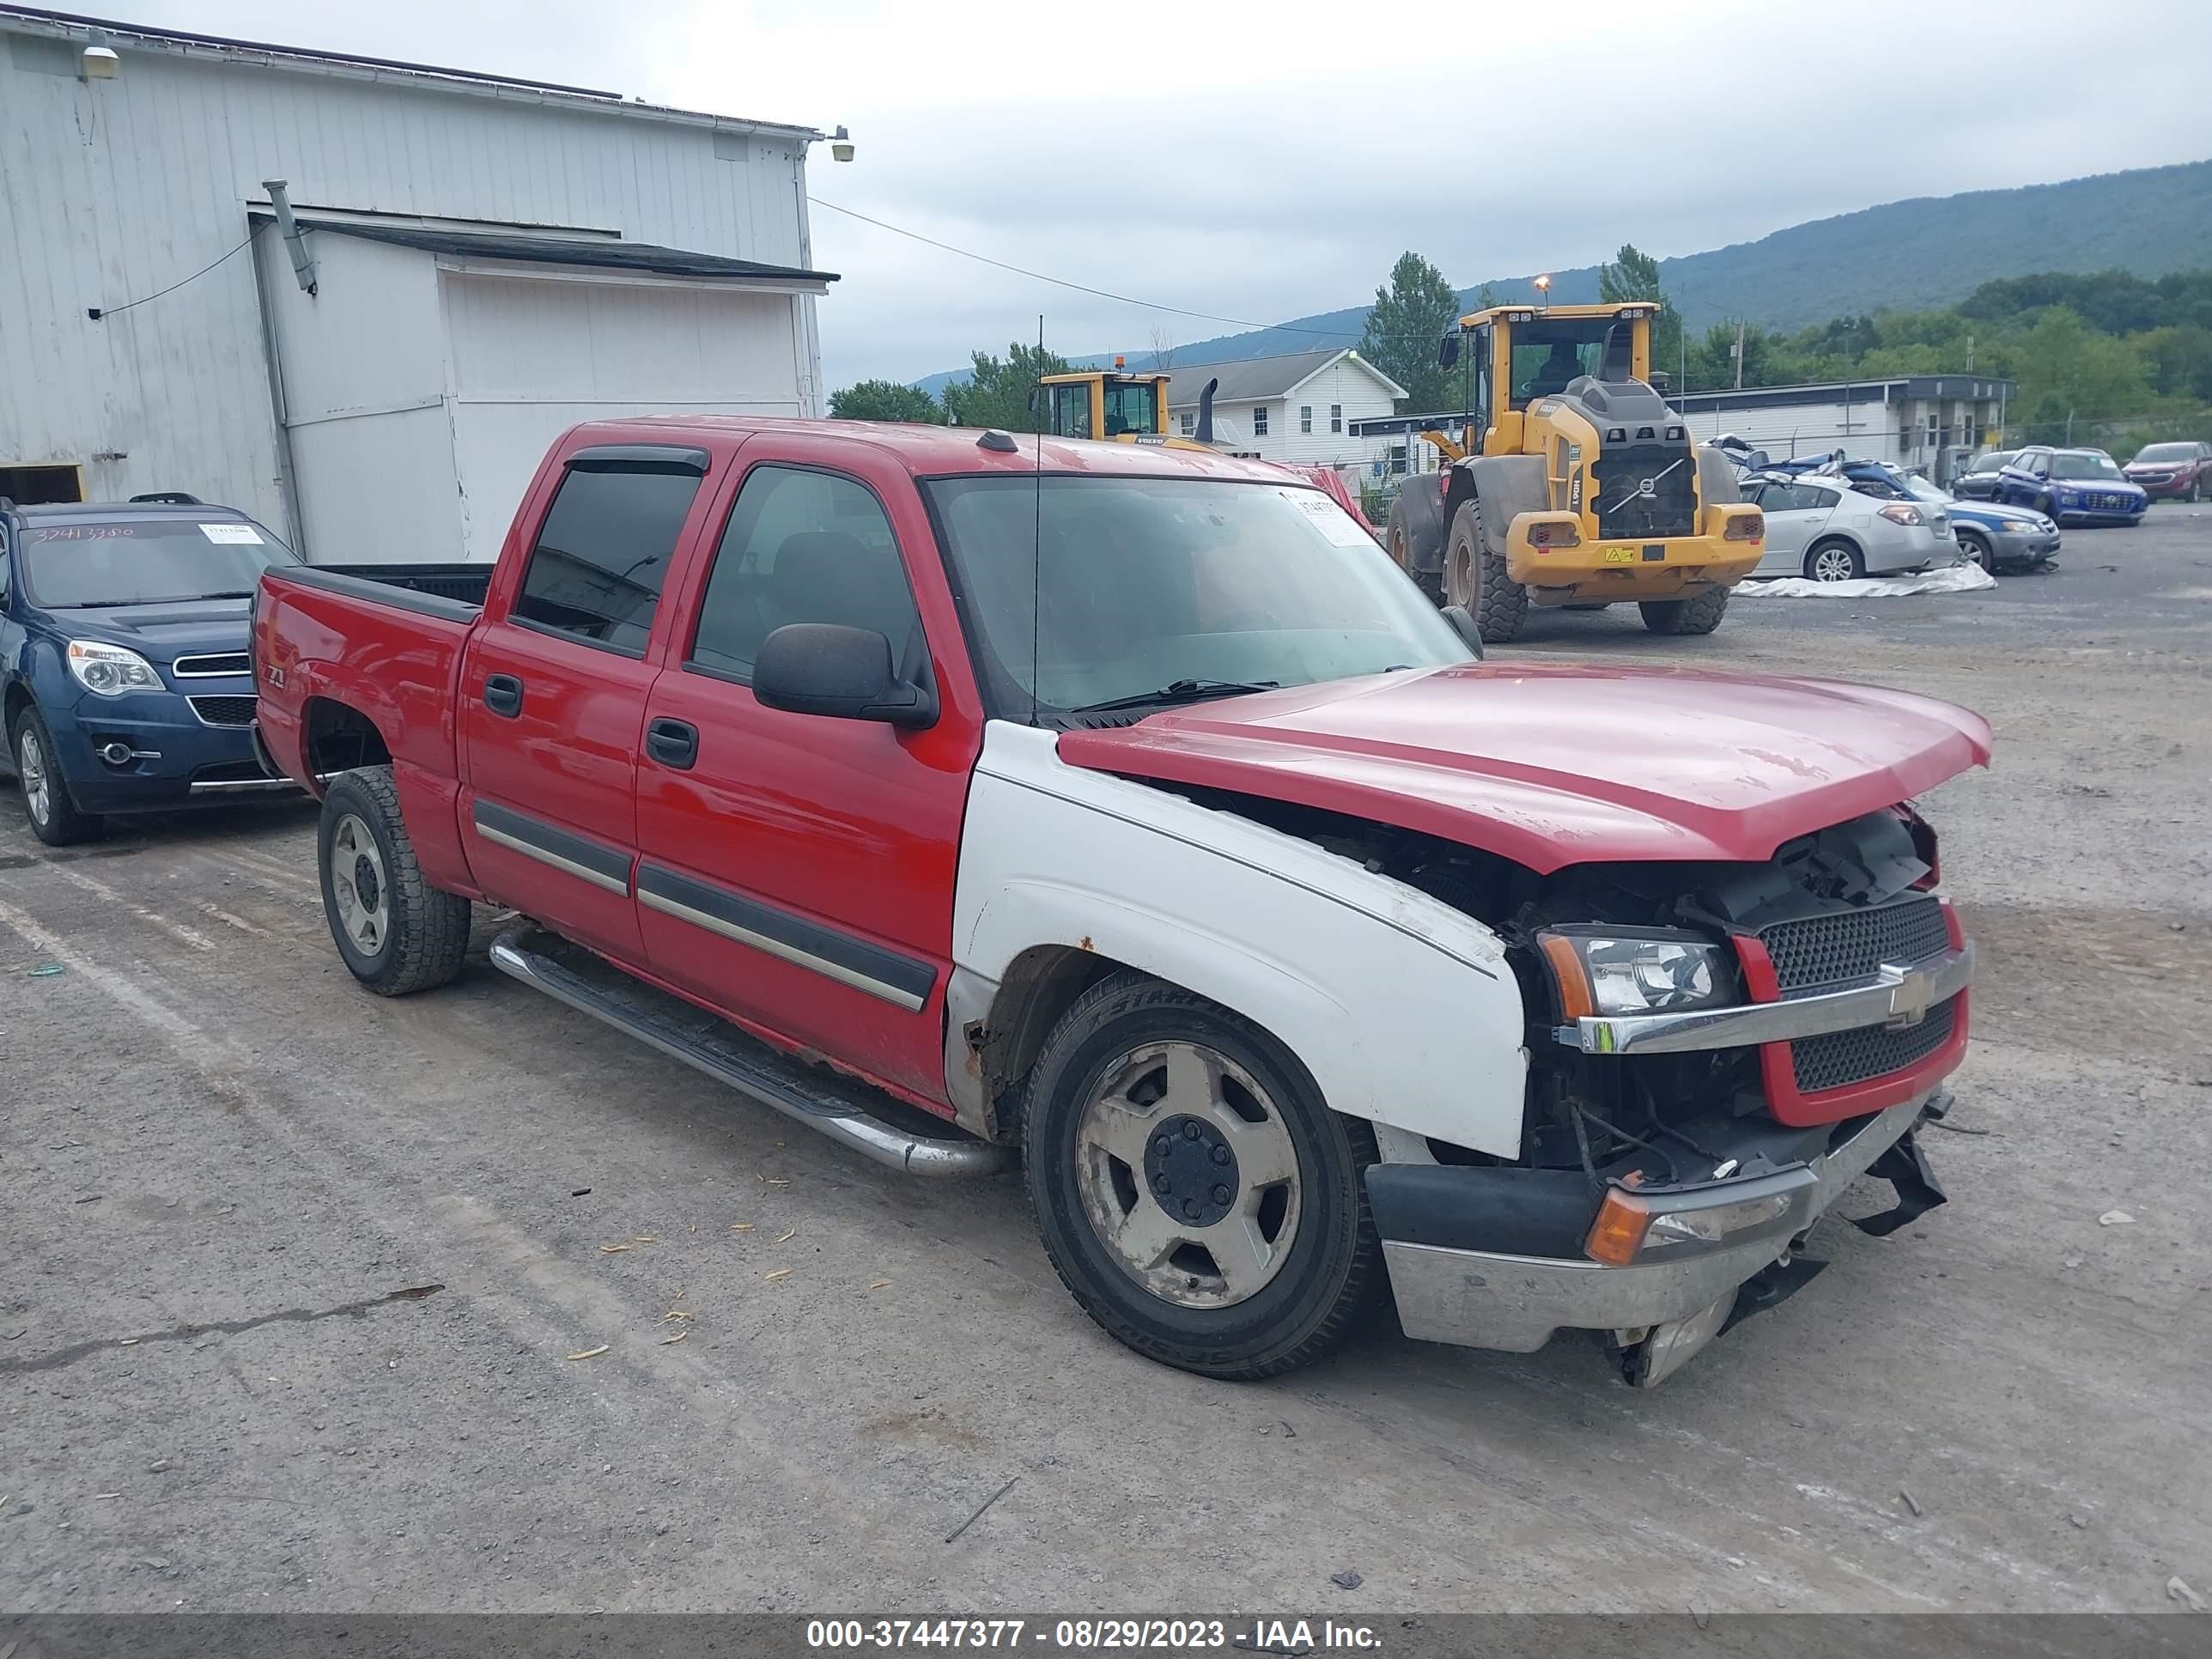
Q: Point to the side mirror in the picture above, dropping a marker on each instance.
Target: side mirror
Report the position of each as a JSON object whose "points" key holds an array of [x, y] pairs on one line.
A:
{"points": [[1036, 399], [1447, 350], [1464, 624], [845, 673]]}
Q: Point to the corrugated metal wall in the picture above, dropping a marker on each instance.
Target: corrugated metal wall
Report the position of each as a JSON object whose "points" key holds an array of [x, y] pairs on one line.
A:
{"points": [[110, 190]]}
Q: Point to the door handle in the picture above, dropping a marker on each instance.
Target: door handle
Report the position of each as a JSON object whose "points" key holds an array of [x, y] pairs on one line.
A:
{"points": [[502, 694], [672, 743]]}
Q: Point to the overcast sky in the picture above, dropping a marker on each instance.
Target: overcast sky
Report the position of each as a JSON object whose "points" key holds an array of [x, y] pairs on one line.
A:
{"points": [[1264, 161]]}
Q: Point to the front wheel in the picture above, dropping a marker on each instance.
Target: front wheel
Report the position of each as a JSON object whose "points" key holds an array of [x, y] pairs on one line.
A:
{"points": [[1699, 616], [54, 817], [1977, 551], [1834, 561], [395, 932], [1476, 577], [1196, 1195]]}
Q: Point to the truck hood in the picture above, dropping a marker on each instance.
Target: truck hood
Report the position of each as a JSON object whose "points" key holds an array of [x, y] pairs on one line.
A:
{"points": [[159, 632], [1551, 765]]}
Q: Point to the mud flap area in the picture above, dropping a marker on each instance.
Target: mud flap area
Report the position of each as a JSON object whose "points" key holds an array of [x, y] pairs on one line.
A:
{"points": [[1904, 1167]]}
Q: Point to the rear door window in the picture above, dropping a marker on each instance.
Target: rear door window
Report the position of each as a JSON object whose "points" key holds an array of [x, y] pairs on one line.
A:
{"points": [[601, 556]]}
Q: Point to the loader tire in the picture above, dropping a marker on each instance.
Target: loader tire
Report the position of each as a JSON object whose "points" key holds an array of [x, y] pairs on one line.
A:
{"points": [[1476, 577], [1699, 616]]}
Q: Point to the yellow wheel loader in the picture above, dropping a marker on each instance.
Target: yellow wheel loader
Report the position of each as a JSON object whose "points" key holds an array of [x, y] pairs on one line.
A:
{"points": [[1569, 483], [1119, 407]]}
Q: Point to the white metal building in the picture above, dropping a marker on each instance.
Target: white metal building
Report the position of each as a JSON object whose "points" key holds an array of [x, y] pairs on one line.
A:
{"points": [[490, 261], [1926, 422], [1298, 407]]}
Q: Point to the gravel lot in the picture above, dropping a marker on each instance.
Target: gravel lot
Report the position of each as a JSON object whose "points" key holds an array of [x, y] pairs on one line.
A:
{"points": [[221, 1162]]}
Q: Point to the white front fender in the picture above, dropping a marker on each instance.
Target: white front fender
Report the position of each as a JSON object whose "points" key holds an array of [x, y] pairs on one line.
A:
{"points": [[1403, 1008]]}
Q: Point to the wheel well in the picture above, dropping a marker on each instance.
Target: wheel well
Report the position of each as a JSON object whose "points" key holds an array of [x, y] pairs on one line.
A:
{"points": [[340, 738], [1040, 984], [19, 695], [1836, 538]]}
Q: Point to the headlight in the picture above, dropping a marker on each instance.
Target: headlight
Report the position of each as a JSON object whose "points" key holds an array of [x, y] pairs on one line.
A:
{"points": [[111, 670], [1604, 974], [1899, 513]]}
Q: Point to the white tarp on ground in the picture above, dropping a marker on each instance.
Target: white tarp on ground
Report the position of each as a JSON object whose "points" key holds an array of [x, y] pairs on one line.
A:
{"points": [[1957, 579]]}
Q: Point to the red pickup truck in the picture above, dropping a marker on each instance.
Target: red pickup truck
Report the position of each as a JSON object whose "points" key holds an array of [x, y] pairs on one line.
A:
{"points": [[1123, 811]]}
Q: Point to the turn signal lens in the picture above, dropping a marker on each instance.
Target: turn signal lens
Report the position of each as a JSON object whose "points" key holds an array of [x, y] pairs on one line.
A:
{"points": [[1569, 976], [1618, 1233]]}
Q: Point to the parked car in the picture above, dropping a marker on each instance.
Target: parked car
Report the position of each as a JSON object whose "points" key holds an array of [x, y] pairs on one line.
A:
{"points": [[2084, 485], [1978, 483], [1128, 813], [123, 658], [1826, 528], [2171, 471], [1995, 538]]}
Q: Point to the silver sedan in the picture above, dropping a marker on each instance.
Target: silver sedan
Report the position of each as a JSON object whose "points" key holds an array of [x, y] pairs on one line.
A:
{"points": [[1822, 528]]}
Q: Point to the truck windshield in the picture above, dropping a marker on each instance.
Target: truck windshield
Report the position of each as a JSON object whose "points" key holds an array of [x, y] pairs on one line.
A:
{"points": [[1131, 407], [1554, 350], [1081, 590], [84, 562]]}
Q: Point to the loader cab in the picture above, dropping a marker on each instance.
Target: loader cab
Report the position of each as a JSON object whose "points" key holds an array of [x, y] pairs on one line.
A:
{"points": [[1514, 357], [1111, 404]]}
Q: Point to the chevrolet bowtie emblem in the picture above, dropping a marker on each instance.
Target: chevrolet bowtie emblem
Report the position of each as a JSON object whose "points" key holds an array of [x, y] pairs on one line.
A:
{"points": [[1908, 997]]}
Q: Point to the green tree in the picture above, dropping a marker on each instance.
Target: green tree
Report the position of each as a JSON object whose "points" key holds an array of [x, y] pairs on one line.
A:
{"points": [[1412, 313], [1632, 274], [2067, 370], [886, 400], [996, 393]]}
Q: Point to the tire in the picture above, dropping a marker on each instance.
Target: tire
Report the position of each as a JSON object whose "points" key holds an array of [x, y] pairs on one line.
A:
{"points": [[1977, 550], [1476, 577], [2195, 489], [1699, 616], [1822, 556], [53, 814], [396, 933], [2042, 505], [1150, 1276]]}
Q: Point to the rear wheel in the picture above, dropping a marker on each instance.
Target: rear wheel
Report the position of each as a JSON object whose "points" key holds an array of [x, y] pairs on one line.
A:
{"points": [[1196, 1195], [395, 932], [1834, 561], [54, 817], [1476, 578], [1699, 616]]}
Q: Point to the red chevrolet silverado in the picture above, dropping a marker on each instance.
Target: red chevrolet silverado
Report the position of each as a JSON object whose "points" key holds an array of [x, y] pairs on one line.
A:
{"points": [[1124, 813]]}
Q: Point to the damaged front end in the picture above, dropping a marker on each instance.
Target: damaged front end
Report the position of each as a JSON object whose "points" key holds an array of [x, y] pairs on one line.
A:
{"points": [[1716, 1052]]}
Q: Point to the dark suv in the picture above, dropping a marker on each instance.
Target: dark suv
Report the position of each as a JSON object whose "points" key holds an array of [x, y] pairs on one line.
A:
{"points": [[125, 685]]}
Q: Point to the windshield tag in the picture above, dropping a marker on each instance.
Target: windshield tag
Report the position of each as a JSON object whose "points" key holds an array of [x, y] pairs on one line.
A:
{"points": [[244, 533], [1332, 520]]}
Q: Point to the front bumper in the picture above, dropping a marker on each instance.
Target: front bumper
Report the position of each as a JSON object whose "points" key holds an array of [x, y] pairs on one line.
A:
{"points": [[1515, 1304], [178, 757], [2061, 513], [2162, 489], [2023, 546]]}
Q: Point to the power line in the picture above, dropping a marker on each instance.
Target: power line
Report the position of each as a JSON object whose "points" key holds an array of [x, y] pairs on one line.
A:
{"points": [[1082, 287], [98, 312]]}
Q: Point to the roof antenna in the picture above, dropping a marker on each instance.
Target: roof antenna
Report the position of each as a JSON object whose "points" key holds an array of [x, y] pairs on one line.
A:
{"points": [[1037, 544]]}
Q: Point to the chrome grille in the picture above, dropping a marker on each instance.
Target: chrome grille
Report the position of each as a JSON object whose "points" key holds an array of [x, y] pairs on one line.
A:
{"points": [[1820, 951], [1846, 1057], [215, 665], [223, 711]]}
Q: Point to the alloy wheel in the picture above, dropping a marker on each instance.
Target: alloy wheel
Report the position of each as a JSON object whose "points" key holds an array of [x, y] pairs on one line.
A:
{"points": [[1189, 1174], [31, 767], [358, 883], [1832, 564]]}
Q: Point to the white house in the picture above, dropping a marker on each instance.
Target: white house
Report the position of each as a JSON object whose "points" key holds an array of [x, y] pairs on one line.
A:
{"points": [[1294, 408], [479, 262]]}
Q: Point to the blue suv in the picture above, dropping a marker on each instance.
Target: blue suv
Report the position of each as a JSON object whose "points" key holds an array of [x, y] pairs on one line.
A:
{"points": [[2072, 486], [125, 684]]}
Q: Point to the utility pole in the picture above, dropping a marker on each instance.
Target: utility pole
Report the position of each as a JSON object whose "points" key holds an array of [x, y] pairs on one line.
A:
{"points": [[2069, 429], [1970, 354], [1739, 354]]}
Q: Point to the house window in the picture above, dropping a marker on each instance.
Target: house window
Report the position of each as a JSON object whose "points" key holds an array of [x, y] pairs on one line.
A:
{"points": [[1260, 420], [1305, 417], [1336, 418], [1189, 423]]}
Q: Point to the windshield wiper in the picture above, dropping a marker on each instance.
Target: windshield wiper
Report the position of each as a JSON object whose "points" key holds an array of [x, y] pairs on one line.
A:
{"points": [[174, 598], [1178, 691]]}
